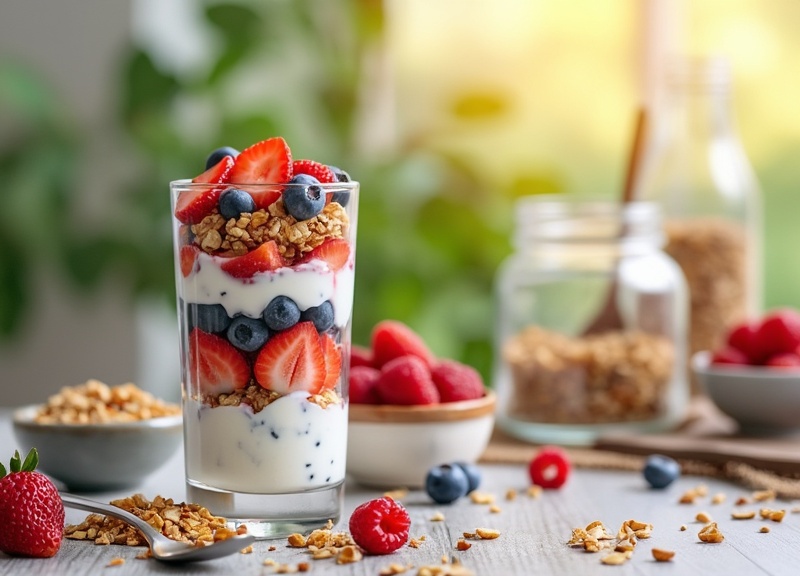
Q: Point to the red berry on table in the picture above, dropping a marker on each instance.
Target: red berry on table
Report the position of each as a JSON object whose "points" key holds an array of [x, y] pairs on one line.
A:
{"points": [[550, 467], [779, 332], [312, 168], [456, 381], [292, 361], [265, 162], [392, 339], [31, 511], [788, 360], [216, 364], [406, 381], [744, 337], [380, 526], [363, 380], [194, 205], [265, 258], [729, 355]]}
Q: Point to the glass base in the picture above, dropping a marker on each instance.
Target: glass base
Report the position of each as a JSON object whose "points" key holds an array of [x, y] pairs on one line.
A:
{"points": [[271, 515]]}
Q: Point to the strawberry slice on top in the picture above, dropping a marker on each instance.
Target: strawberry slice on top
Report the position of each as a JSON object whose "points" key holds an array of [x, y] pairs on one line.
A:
{"points": [[194, 205], [265, 162], [335, 252], [265, 258], [292, 361], [215, 366]]}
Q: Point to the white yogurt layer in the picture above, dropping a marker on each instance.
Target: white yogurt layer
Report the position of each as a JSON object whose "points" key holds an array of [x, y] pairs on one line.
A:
{"points": [[309, 284], [289, 446]]}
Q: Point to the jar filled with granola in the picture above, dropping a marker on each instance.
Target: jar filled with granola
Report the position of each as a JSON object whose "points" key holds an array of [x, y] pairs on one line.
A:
{"points": [[591, 323], [697, 170]]}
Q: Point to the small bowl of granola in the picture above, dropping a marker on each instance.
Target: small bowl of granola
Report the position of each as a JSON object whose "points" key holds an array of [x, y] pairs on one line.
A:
{"points": [[94, 437]]}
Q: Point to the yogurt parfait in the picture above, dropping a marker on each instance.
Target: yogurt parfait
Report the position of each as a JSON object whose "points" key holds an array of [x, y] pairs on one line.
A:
{"points": [[265, 264]]}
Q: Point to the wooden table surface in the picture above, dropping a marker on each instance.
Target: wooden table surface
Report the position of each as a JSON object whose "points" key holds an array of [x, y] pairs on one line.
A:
{"points": [[533, 531]]}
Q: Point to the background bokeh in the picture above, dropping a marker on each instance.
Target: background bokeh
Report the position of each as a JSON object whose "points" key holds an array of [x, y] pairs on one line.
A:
{"points": [[445, 111]]}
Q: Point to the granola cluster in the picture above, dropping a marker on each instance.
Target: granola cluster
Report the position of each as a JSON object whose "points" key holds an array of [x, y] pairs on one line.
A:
{"points": [[97, 403], [183, 522], [259, 398], [595, 537], [236, 236], [611, 377]]}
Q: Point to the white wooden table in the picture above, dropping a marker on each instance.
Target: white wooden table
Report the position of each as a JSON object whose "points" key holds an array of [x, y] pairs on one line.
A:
{"points": [[533, 536]]}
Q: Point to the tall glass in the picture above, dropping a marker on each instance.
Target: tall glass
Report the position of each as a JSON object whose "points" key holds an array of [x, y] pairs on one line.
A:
{"points": [[264, 307]]}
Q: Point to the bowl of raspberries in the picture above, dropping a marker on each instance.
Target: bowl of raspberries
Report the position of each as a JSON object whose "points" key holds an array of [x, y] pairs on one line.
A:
{"points": [[754, 375], [410, 410]]}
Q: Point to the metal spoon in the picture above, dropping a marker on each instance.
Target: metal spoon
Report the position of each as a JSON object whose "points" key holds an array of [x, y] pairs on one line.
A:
{"points": [[161, 547]]}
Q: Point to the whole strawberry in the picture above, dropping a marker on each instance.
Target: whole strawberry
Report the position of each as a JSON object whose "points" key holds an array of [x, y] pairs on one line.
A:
{"points": [[31, 510]]}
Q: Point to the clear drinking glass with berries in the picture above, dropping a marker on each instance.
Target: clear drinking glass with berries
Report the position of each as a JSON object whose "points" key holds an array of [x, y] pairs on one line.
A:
{"points": [[265, 266]]}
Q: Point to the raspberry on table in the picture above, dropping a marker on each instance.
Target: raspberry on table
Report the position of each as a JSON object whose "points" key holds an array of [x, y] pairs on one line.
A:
{"points": [[380, 526], [550, 467]]}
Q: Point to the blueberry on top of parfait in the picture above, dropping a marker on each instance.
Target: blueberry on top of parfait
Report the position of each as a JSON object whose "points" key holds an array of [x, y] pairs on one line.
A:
{"points": [[220, 153], [233, 201], [304, 197]]}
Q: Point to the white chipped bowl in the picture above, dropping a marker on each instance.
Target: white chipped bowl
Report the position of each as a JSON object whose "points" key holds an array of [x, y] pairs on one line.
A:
{"points": [[395, 446], [760, 399], [98, 457]]}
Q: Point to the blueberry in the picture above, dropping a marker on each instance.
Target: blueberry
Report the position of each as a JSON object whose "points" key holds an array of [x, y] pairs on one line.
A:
{"points": [[473, 474], [304, 197], [660, 471], [248, 334], [281, 313], [321, 316], [233, 201], [341, 176], [446, 483], [209, 317], [220, 153]]}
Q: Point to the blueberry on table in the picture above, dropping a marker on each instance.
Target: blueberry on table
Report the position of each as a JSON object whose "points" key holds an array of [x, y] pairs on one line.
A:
{"points": [[220, 153], [661, 471], [281, 313], [473, 474], [208, 317], [321, 316], [304, 197], [233, 201], [446, 483], [248, 334]]}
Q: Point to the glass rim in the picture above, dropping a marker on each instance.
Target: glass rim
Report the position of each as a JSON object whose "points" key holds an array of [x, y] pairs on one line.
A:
{"points": [[335, 186]]}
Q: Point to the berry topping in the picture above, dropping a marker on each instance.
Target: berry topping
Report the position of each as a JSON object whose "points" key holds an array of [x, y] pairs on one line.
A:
{"points": [[779, 332], [446, 483], [266, 162], [333, 361], [339, 174], [380, 526], [549, 468], [319, 171], [304, 199], [729, 355], [363, 380], [233, 201], [209, 317], [194, 205], [219, 154], [342, 197], [265, 258], [473, 474], [406, 381], [321, 316], [188, 258], [661, 471], [360, 356], [281, 313], [292, 361], [31, 511], [335, 252], [215, 366], [392, 339], [248, 334], [456, 381]]}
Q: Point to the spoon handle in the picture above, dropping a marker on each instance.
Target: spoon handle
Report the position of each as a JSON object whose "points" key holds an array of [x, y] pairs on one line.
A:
{"points": [[80, 503]]}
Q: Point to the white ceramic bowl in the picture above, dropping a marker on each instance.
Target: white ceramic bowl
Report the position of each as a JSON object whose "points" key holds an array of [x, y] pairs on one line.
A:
{"points": [[758, 398], [98, 457], [395, 446]]}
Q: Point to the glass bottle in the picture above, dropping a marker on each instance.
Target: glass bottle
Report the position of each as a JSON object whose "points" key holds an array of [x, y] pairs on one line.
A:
{"points": [[561, 378], [697, 170]]}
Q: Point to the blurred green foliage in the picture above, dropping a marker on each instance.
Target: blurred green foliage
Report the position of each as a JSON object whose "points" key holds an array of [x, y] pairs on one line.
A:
{"points": [[430, 231]]}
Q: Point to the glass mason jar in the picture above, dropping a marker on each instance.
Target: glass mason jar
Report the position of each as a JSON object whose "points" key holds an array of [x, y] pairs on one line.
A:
{"points": [[591, 323], [697, 170]]}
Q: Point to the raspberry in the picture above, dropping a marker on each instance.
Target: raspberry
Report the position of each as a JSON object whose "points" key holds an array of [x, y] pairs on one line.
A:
{"points": [[729, 355], [456, 381], [360, 356], [392, 339], [550, 467], [362, 385], [788, 360], [380, 526], [779, 332], [406, 381], [743, 337]]}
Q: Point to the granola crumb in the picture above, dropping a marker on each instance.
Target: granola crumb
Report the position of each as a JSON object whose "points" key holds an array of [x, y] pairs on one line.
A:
{"points": [[437, 517], [710, 534], [117, 561], [718, 498], [396, 494], [494, 509], [683, 528], [511, 494], [394, 569], [774, 515], [764, 529], [463, 545], [703, 517], [481, 497], [743, 515], [487, 533], [614, 558], [661, 555], [764, 495]]}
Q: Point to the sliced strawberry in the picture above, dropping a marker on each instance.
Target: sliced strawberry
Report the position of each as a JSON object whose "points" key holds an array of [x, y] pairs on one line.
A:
{"points": [[292, 361], [266, 162], [315, 169], [188, 258], [334, 251], [215, 366], [194, 205], [333, 361], [264, 258], [392, 339]]}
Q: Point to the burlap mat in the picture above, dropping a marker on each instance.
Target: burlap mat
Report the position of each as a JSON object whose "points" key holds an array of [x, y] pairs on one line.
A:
{"points": [[706, 444]]}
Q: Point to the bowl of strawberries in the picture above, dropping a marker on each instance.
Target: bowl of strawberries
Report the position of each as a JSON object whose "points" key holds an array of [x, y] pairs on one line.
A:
{"points": [[410, 411], [754, 376]]}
